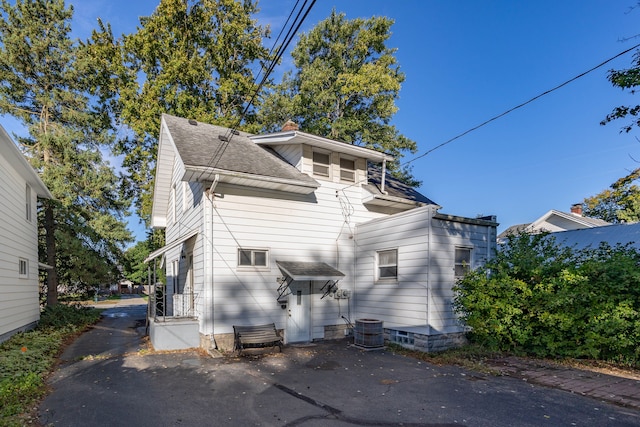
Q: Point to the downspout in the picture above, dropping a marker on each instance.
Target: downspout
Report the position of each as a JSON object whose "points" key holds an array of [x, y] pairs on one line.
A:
{"points": [[430, 252], [214, 184], [384, 174]]}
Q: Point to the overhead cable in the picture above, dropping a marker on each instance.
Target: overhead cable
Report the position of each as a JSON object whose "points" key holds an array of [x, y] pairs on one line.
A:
{"points": [[521, 105]]}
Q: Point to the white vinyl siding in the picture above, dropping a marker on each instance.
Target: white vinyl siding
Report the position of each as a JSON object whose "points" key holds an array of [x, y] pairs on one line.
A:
{"points": [[294, 228], [423, 294], [19, 304]]}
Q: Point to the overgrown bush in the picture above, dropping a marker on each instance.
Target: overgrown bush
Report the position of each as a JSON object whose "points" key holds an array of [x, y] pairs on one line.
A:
{"points": [[26, 358], [539, 298]]}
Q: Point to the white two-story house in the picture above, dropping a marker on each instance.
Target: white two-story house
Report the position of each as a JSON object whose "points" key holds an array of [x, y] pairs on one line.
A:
{"points": [[304, 232], [20, 188]]}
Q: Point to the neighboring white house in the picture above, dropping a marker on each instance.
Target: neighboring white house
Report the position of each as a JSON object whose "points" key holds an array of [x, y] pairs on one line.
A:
{"points": [[21, 186], [613, 234], [554, 221], [302, 231]]}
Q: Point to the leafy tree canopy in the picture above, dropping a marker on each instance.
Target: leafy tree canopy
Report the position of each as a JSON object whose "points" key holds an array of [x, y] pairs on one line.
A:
{"points": [[618, 203], [344, 87], [47, 84], [193, 59]]}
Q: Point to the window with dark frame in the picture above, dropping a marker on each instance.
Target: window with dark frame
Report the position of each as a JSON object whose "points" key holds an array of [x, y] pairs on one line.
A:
{"points": [[23, 267], [387, 264], [252, 257]]}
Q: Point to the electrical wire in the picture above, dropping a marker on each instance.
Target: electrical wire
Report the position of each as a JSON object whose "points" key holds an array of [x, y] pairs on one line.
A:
{"points": [[293, 29], [521, 105]]}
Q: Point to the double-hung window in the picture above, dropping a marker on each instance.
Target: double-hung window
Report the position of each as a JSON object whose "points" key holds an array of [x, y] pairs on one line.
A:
{"points": [[347, 170], [321, 163], [462, 262], [253, 257], [387, 264]]}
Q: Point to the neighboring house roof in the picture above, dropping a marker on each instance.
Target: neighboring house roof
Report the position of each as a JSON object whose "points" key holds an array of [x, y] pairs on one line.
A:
{"points": [[395, 191], [10, 151], [554, 221], [592, 237]]}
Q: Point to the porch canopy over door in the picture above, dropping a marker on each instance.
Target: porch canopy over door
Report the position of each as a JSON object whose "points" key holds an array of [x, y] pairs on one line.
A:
{"points": [[307, 271], [170, 246]]}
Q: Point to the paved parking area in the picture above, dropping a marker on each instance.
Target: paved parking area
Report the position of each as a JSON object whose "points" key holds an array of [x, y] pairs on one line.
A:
{"points": [[105, 381]]}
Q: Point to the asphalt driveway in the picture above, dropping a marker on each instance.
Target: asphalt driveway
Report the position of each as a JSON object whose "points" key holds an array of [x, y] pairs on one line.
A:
{"points": [[105, 380]]}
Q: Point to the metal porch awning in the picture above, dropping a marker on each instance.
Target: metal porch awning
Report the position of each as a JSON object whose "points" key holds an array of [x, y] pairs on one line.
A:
{"points": [[297, 270], [302, 271], [170, 246]]}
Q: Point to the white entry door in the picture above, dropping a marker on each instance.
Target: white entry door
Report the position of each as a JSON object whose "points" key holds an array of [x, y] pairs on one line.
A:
{"points": [[299, 313]]}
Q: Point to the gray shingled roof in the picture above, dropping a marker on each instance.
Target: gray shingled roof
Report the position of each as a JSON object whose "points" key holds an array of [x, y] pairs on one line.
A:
{"points": [[592, 237], [393, 187], [198, 143]]}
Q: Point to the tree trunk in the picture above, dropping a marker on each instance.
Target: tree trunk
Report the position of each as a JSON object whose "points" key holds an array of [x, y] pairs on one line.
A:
{"points": [[52, 275]]}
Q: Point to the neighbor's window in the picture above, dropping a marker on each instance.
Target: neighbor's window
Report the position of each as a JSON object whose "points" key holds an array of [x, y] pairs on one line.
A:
{"points": [[387, 264], [253, 257], [28, 202], [347, 170], [321, 163], [23, 268], [462, 261]]}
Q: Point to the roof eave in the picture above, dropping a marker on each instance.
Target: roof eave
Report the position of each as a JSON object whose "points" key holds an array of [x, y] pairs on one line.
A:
{"points": [[298, 137], [206, 174]]}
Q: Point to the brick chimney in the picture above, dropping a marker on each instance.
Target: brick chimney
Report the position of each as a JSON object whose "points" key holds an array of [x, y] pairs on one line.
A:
{"points": [[290, 125], [576, 209]]}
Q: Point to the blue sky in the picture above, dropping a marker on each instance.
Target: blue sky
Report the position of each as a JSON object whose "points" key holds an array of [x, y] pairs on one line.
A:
{"points": [[466, 61]]}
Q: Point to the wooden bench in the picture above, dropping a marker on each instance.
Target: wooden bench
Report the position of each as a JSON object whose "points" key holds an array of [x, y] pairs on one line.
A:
{"points": [[256, 337]]}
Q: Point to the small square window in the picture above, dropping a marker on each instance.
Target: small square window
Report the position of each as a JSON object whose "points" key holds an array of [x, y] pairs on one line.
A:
{"points": [[23, 268], [347, 170], [321, 163], [387, 264], [252, 258]]}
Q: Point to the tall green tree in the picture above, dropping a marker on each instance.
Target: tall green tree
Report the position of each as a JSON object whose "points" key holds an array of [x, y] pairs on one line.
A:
{"points": [[344, 87], [190, 58], [618, 203], [47, 84]]}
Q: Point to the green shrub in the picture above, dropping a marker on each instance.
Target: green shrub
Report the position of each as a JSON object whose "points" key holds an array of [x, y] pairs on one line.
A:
{"points": [[540, 299]]}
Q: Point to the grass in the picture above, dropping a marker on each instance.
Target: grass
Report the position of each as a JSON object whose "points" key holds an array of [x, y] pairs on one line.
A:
{"points": [[27, 358]]}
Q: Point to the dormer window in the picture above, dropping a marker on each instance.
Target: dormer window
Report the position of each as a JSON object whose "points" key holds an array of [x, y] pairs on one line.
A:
{"points": [[347, 170], [321, 163]]}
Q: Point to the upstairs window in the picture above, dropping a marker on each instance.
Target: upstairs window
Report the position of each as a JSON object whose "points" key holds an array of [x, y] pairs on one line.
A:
{"points": [[462, 262], [253, 257], [347, 170], [321, 162], [387, 264], [27, 195]]}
